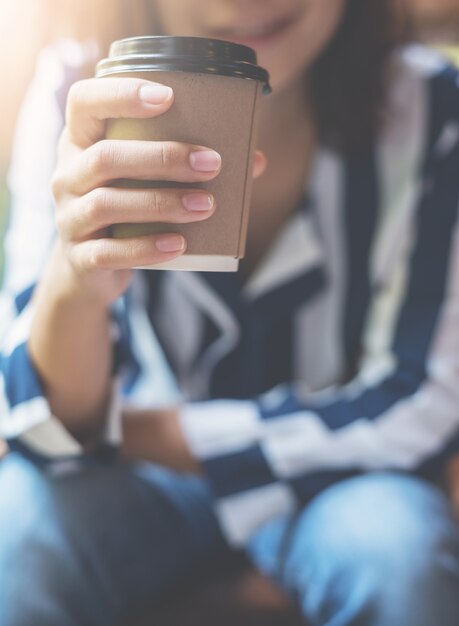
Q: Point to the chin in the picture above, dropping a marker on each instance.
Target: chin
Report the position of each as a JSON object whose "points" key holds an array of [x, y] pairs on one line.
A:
{"points": [[284, 75]]}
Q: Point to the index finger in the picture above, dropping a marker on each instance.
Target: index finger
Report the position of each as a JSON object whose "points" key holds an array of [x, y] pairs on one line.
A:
{"points": [[93, 101]]}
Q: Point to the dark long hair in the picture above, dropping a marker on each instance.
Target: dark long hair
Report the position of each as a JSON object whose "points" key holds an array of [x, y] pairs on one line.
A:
{"points": [[350, 79]]}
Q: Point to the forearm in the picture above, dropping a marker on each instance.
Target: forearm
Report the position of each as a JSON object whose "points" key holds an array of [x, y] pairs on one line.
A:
{"points": [[452, 474], [156, 436], [71, 349]]}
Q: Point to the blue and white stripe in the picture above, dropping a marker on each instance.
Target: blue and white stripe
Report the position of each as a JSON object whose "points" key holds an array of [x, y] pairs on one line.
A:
{"points": [[341, 353]]}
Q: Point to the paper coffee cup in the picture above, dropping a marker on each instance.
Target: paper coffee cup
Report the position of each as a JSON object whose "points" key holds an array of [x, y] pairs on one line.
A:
{"points": [[218, 87]]}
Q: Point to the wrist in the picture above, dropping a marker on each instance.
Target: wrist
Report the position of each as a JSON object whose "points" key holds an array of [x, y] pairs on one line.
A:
{"points": [[96, 290], [70, 346]]}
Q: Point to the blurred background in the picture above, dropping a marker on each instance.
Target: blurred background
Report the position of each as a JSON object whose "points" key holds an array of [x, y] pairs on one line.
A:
{"points": [[26, 26]]}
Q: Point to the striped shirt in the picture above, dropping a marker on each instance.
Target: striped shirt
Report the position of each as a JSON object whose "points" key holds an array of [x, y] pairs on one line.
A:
{"points": [[340, 354]]}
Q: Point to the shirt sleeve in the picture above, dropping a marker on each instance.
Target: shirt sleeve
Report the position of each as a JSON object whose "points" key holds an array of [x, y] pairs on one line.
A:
{"points": [[400, 412], [26, 420]]}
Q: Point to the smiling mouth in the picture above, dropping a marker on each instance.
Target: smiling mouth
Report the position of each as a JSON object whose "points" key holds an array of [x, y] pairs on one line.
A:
{"points": [[261, 32]]}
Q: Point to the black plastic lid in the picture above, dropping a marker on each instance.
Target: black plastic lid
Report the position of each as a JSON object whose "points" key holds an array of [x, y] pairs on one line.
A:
{"points": [[183, 54]]}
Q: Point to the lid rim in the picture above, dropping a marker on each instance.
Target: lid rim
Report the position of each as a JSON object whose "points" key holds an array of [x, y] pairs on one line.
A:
{"points": [[177, 41], [198, 54]]}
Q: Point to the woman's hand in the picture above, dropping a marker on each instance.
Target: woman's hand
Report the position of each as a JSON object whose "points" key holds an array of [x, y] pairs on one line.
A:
{"points": [[87, 204], [70, 341]]}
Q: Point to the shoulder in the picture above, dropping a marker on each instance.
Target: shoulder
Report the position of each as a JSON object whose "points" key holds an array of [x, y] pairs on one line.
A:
{"points": [[32, 161], [441, 78], [42, 111], [423, 95], [426, 66], [58, 66]]}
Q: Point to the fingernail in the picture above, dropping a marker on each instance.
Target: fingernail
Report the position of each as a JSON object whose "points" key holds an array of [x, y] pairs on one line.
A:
{"points": [[155, 94], [170, 243], [198, 201], [205, 161]]}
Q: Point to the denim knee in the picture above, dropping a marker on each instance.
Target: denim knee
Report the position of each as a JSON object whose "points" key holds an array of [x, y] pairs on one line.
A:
{"points": [[90, 546], [41, 582], [373, 551]]}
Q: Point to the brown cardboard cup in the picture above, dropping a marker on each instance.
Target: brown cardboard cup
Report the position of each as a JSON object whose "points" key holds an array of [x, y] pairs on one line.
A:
{"points": [[216, 105]]}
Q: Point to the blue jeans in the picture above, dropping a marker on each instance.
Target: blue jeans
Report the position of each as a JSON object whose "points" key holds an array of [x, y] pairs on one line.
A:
{"points": [[84, 548]]}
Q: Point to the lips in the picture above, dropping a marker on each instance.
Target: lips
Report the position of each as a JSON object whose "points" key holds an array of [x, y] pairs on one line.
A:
{"points": [[259, 32]]}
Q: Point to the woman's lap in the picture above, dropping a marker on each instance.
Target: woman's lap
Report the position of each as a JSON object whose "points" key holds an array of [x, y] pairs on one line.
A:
{"points": [[83, 548], [88, 546], [379, 550]]}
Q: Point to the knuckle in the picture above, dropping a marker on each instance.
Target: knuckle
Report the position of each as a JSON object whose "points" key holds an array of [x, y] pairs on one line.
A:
{"points": [[160, 204], [100, 157], [61, 223], [75, 91], [74, 97], [167, 155], [96, 205], [96, 257], [126, 90], [75, 258], [57, 184]]}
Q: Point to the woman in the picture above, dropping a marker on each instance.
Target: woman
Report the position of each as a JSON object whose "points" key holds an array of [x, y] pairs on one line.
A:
{"points": [[349, 286]]}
